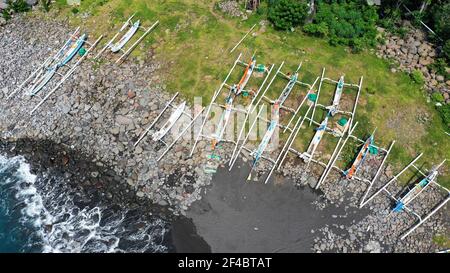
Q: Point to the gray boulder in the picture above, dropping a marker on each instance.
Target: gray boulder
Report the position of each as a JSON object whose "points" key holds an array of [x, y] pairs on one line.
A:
{"points": [[31, 2], [3, 5]]}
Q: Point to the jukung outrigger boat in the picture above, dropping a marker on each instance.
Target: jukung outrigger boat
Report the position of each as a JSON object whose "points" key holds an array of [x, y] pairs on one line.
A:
{"points": [[170, 122], [132, 29], [288, 89], [360, 157], [307, 156], [417, 189], [334, 108], [71, 48], [235, 91], [257, 153], [125, 38]]}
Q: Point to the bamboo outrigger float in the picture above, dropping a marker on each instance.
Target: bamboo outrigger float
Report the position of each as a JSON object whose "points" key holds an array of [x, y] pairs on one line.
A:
{"points": [[242, 39], [277, 104], [133, 27], [174, 118]]}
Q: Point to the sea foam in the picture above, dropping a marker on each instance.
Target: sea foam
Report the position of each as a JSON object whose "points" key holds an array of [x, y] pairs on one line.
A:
{"points": [[46, 204]]}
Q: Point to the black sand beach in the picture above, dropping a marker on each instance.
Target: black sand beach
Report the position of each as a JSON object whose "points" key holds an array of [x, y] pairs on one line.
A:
{"points": [[239, 216]]}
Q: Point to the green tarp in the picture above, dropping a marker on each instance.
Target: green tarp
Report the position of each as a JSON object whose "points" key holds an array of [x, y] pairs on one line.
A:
{"points": [[373, 150], [312, 97], [82, 51], [260, 68], [342, 121]]}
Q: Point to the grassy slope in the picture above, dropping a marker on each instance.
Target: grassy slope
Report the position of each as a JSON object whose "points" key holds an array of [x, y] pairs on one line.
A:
{"points": [[194, 39]]}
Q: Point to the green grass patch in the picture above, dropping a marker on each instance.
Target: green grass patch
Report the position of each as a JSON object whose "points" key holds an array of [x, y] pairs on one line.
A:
{"points": [[442, 241]]}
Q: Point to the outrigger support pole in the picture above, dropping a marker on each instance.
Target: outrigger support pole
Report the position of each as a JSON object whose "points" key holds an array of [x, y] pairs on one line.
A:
{"points": [[376, 175], [426, 217], [136, 43], [156, 119], [391, 180], [216, 93], [45, 63], [317, 98], [356, 101], [67, 75], [240, 41]]}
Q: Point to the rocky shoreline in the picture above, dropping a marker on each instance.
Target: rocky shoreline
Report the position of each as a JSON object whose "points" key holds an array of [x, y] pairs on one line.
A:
{"points": [[101, 112]]}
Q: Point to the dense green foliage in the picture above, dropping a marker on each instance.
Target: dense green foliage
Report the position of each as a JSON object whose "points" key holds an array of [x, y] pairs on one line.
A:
{"points": [[446, 49], [321, 29], [441, 20], [45, 5], [14, 6], [444, 112], [6, 15], [343, 22], [286, 14], [19, 6]]}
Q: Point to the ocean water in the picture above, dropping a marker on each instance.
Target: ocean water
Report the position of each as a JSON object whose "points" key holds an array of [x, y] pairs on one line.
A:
{"points": [[40, 214]]}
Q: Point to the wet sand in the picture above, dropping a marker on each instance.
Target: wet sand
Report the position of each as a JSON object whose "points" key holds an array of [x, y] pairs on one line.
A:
{"points": [[239, 216]]}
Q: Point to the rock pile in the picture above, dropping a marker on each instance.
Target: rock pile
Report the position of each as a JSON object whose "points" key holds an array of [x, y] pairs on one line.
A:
{"points": [[230, 7], [414, 52]]}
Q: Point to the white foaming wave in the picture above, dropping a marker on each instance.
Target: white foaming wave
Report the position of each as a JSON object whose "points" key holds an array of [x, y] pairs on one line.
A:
{"points": [[24, 171], [63, 227]]}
